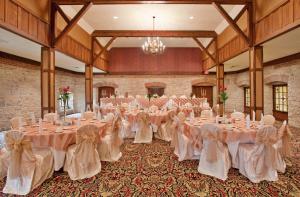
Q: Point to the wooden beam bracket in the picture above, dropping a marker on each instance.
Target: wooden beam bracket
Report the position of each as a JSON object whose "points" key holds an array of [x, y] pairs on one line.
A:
{"points": [[204, 49], [103, 49]]}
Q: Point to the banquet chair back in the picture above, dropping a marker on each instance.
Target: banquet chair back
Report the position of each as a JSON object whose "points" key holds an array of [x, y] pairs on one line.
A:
{"points": [[153, 109], [50, 117], [164, 131], [214, 159], [268, 120], [27, 169], [144, 132], [15, 122], [82, 159], [237, 115], [205, 106], [89, 115], [260, 161], [4, 161], [206, 113]]}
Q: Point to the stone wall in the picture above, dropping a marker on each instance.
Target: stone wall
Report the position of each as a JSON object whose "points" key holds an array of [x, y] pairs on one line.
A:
{"points": [[287, 72]]}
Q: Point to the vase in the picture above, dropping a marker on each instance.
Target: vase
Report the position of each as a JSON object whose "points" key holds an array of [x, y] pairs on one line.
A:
{"points": [[65, 112]]}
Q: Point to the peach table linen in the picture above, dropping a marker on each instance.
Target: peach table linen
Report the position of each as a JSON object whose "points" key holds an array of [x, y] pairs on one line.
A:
{"points": [[155, 118], [55, 140]]}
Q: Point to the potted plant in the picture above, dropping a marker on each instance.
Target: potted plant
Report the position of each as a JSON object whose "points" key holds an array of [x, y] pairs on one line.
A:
{"points": [[223, 97]]}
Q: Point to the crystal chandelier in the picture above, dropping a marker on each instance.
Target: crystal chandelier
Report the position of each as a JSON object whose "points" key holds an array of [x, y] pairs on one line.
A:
{"points": [[153, 45]]}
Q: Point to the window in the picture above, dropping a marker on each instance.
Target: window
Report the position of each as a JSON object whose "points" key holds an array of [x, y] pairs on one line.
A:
{"points": [[156, 90], [69, 106], [280, 98], [246, 99]]}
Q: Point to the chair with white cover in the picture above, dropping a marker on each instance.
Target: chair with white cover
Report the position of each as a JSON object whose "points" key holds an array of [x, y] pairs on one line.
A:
{"points": [[164, 132], [138, 96], [188, 105], [183, 145], [183, 97], [4, 156], [109, 147], [173, 97], [237, 115], [82, 159], [27, 168], [206, 113], [214, 159], [16, 122], [205, 106], [89, 115], [144, 132], [268, 120], [50, 117], [260, 161]]}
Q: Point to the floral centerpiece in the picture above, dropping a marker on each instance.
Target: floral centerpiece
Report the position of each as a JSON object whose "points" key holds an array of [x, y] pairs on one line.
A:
{"points": [[223, 96], [155, 96], [64, 96]]}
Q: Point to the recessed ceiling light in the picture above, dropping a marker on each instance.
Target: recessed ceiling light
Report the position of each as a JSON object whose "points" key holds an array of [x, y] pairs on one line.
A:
{"points": [[115, 17], [191, 17]]}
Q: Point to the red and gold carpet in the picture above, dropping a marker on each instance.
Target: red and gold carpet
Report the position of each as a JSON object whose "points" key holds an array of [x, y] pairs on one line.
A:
{"points": [[153, 170]]}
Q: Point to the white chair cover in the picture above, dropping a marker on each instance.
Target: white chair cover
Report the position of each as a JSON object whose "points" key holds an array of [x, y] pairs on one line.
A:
{"points": [[188, 105], [4, 156], [82, 159], [214, 159], [15, 122], [109, 118], [205, 106], [109, 148], [89, 115], [153, 108], [27, 169], [130, 96], [137, 96], [260, 161], [164, 132], [173, 97], [238, 116], [183, 145], [144, 132], [50, 117], [183, 97], [206, 113], [268, 120]]}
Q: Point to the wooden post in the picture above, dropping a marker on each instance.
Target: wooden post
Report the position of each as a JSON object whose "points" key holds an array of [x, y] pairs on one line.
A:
{"points": [[47, 80], [256, 76], [220, 84], [89, 86]]}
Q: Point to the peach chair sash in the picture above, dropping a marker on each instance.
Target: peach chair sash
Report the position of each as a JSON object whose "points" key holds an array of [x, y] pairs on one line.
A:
{"points": [[181, 117], [17, 145], [285, 134], [210, 132]]}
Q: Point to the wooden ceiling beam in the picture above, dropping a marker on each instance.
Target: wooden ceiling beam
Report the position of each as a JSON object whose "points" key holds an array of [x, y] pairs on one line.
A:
{"points": [[230, 21], [99, 2], [73, 22], [159, 33], [61, 12], [204, 49], [103, 49], [240, 14]]}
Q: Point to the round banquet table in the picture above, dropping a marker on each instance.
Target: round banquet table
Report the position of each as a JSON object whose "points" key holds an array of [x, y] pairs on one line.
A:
{"points": [[59, 142]]}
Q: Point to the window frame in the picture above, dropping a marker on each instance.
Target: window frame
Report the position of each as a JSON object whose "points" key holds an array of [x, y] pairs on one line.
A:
{"points": [[280, 114], [246, 108]]}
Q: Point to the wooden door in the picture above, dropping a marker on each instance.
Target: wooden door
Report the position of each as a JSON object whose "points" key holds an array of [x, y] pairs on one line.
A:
{"points": [[104, 92], [204, 91]]}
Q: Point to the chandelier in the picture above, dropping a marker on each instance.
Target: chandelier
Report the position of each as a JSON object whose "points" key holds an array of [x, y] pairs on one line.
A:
{"points": [[153, 45]]}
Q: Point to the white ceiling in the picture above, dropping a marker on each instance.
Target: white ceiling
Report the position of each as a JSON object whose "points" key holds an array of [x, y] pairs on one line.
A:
{"points": [[139, 17], [279, 47], [31, 50]]}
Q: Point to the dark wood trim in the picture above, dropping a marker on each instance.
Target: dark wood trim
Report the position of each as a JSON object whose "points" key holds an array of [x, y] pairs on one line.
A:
{"points": [[283, 60], [204, 49], [103, 49], [150, 73], [240, 14]]}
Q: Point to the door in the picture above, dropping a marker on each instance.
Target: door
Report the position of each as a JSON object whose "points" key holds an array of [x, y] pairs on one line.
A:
{"points": [[104, 92], [204, 91]]}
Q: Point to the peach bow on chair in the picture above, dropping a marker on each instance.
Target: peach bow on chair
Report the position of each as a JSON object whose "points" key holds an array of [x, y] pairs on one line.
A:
{"points": [[144, 132], [214, 159], [82, 159], [27, 169], [164, 131], [285, 135]]}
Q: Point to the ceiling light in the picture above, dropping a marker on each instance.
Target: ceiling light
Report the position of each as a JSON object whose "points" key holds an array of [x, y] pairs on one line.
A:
{"points": [[115, 17], [191, 17]]}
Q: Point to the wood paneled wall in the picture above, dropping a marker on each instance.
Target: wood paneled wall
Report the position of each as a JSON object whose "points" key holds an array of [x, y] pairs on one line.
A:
{"points": [[172, 61]]}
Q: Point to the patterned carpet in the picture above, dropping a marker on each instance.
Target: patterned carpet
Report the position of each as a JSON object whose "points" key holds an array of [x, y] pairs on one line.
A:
{"points": [[153, 170]]}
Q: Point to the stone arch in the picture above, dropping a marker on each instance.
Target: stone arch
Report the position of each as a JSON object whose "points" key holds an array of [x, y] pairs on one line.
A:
{"points": [[204, 82], [277, 79], [105, 84], [243, 83], [155, 84]]}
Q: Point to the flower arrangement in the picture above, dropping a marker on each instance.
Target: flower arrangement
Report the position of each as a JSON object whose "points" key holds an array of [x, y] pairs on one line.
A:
{"points": [[223, 96], [155, 96], [64, 96]]}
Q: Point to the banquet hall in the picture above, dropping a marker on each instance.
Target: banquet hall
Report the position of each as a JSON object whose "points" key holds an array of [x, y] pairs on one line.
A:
{"points": [[150, 98]]}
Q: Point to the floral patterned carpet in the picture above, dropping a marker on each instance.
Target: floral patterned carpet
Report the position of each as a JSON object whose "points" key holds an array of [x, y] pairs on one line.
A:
{"points": [[153, 170]]}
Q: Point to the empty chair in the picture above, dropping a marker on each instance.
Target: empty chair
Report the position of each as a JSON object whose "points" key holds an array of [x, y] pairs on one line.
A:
{"points": [[260, 161], [165, 130], [89, 115], [206, 113], [268, 120], [214, 159], [27, 169], [238, 116], [109, 148], [183, 145], [16, 122], [144, 132], [82, 159], [50, 117]]}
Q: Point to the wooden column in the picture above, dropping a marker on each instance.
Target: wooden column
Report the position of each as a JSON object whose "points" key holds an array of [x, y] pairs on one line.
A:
{"points": [[89, 86], [256, 81], [47, 80], [220, 84]]}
